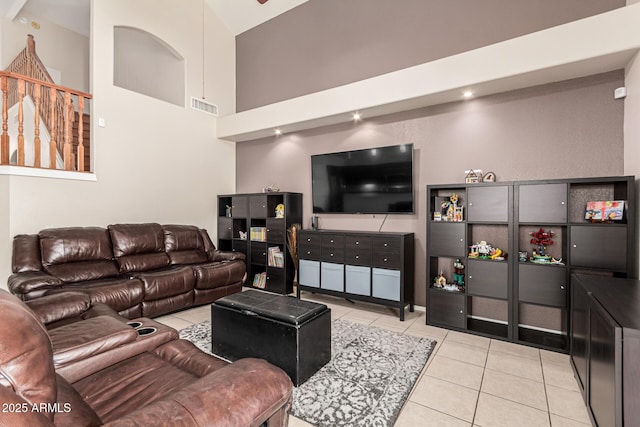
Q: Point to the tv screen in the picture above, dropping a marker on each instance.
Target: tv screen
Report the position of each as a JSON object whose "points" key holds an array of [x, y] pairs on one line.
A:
{"points": [[375, 180]]}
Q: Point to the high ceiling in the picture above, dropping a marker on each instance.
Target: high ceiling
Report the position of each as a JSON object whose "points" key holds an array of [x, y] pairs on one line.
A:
{"points": [[237, 15]]}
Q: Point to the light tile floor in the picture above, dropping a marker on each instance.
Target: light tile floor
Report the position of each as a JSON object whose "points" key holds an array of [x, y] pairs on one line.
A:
{"points": [[469, 380]]}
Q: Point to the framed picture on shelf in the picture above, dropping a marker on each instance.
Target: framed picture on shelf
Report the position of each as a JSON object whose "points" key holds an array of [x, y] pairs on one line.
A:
{"points": [[608, 210]]}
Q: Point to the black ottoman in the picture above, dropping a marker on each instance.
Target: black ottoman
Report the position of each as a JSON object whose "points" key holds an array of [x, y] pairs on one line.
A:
{"points": [[290, 333]]}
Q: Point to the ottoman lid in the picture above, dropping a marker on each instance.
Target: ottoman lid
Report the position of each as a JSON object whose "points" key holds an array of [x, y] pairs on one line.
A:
{"points": [[278, 307]]}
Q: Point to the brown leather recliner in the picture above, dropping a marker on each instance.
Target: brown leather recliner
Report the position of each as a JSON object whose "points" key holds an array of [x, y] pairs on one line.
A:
{"points": [[136, 269], [174, 384]]}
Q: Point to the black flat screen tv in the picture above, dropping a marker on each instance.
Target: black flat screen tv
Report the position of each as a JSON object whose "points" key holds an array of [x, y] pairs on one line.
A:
{"points": [[372, 181]]}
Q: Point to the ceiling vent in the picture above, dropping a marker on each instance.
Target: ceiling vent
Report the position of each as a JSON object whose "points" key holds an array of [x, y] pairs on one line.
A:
{"points": [[202, 105]]}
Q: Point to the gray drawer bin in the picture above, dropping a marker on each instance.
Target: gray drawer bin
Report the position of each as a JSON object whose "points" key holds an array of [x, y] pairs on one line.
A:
{"points": [[385, 284], [332, 276], [357, 280], [309, 273]]}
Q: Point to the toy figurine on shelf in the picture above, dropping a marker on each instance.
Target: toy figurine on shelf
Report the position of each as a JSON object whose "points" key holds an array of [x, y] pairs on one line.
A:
{"points": [[541, 239], [458, 274], [440, 281], [279, 210], [484, 250]]}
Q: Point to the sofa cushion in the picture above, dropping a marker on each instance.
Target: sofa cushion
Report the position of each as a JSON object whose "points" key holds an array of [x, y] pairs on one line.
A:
{"points": [[74, 244], [184, 245], [77, 254], [138, 247], [118, 293], [73, 411], [143, 262], [26, 253], [82, 271]]}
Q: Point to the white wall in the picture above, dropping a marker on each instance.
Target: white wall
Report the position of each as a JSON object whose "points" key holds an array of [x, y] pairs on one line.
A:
{"points": [[632, 131], [57, 47], [154, 161]]}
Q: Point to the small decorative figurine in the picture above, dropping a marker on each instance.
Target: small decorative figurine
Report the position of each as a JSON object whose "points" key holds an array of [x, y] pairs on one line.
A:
{"points": [[280, 211], [228, 211], [440, 281], [489, 177], [541, 239], [473, 176], [458, 275]]}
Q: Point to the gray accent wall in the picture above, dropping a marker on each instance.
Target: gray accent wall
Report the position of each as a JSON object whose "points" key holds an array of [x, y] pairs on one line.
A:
{"points": [[560, 130], [327, 43]]}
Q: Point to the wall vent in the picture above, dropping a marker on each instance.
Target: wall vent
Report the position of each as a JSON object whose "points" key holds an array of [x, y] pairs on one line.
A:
{"points": [[202, 105]]}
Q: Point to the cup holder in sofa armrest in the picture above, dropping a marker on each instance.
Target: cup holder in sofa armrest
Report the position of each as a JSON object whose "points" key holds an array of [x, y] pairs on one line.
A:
{"points": [[134, 325], [147, 330]]}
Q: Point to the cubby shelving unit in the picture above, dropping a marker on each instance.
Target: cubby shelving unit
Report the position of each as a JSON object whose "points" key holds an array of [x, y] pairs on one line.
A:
{"points": [[248, 223], [520, 300]]}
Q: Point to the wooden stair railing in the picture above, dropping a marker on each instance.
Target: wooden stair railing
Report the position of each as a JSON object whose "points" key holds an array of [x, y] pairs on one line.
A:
{"points": [[54, 104]]}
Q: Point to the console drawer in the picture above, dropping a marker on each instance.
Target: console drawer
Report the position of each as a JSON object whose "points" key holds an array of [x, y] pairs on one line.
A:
{"points": [[386, 243], [384, 259], [357, 250]]}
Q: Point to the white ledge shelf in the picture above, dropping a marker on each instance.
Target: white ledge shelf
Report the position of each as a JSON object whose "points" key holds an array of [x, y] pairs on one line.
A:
{"points": [[46, 173], [581, 48]]}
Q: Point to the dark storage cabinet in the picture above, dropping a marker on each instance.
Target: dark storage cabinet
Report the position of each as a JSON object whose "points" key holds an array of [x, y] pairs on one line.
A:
{"points": [[488, 203], [372, 267], [447, 308], [248, 223], [487, 278], [605, 341], [544, 285], [599, 246], [543, 203], [521, 300], [448, 239]]}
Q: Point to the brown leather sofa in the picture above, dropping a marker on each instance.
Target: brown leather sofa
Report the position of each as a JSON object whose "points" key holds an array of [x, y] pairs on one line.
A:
{"points": [[136, 269], [165, 382]]}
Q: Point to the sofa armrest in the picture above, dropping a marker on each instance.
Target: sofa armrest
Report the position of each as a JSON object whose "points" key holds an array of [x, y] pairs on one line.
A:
{"points": [[36, 282], [81, 340], [245, 393], [218, 255], [55, 307]]}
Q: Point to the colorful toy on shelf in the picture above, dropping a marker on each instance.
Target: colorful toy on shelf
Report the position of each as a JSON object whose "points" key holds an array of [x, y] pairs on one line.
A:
{"points": [[280, 210], [440, 281], [449, 209], [541, 239], [483, 250], [458, 274]]}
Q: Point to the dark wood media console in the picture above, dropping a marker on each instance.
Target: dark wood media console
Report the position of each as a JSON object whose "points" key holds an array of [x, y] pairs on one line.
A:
{"points": [[376, 267], [605, 343]]}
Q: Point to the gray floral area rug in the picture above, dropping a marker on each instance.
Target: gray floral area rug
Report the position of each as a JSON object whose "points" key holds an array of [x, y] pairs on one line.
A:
{"points": [[366, 382]]}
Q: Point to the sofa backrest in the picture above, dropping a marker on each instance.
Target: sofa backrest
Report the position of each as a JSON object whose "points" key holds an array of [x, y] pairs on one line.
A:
{"points": [[77, 254], [184, 244], [138, 247]]}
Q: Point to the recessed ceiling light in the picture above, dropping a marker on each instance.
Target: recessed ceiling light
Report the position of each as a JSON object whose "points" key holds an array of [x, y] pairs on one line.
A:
{"points": [[24, 20], [356, 116], [278, 132], [467, 94]]}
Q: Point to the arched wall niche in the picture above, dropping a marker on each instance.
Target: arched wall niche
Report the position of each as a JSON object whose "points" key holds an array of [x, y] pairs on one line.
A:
{"points": [[146, 64]]}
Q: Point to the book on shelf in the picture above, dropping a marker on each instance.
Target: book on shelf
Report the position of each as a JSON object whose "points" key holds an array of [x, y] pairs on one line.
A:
{"points": [[275, 257], [258, 234], [260, 280]]}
